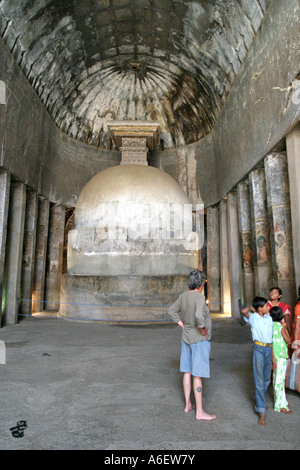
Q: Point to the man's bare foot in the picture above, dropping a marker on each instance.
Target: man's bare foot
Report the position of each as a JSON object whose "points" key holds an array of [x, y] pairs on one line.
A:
{"points": [[205, 416], [189, 408], [262, 419], [287, 412]]}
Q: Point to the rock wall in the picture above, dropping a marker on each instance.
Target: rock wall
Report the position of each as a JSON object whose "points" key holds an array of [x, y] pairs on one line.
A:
{"points": [[34, 150]]}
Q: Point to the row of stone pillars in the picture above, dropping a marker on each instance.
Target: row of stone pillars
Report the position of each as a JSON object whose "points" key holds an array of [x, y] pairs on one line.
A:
{"points": [[253, 234], [31, 250], [253, 240]]}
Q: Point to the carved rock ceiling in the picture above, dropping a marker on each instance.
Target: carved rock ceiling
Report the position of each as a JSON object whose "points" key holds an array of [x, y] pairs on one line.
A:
{"points": [[172, 61]]}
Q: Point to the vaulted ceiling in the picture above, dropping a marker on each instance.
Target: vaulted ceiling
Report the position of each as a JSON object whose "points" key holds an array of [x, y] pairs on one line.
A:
{"points": [[172, 61]]}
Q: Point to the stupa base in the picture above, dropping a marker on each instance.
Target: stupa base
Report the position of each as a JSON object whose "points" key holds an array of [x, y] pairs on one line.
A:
{"points": [[120, 298]]}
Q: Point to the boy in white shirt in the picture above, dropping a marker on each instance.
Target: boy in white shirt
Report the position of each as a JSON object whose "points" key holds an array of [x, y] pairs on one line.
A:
{"points": [[262, 333]]}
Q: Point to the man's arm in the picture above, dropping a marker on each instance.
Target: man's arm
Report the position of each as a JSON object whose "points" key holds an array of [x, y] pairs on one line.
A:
{"points": [[202, 316], [174, 311], [208, 321], [200, 312]]}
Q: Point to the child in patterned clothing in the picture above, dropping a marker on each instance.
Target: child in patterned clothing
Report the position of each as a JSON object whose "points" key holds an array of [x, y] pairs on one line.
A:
{"points": [[281, 340]]}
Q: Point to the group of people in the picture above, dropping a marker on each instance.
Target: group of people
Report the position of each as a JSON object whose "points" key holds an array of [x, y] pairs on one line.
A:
{"points": [[276, 338], [274, 334]]}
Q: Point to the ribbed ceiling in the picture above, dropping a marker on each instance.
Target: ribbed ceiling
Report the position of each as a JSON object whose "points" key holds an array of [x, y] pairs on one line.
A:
{"points": [[172, 61]]}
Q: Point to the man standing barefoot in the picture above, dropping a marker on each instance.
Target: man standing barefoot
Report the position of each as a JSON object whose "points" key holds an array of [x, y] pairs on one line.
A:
{"points": [[191, 313]]}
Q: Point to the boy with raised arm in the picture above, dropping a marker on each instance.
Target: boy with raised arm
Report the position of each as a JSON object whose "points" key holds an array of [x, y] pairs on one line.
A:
{"points": [[262, 334]]}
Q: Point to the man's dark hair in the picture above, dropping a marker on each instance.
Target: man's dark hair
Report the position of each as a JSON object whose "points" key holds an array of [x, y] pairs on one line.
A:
{"points": [[196, 279], [259, 302], [276, 313]]}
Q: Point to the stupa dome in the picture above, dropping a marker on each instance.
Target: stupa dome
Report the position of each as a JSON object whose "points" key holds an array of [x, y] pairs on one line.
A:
{"points": [[131, 190], [132, 220]]}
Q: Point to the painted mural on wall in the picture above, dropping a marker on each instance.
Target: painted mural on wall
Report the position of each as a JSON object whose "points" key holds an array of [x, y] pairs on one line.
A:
{"points": [[261, 253], [282, 261], [247, 252], [282, 246], [262, 249]]}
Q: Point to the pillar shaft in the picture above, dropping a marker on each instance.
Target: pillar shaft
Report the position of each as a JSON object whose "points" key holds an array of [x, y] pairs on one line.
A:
{"points": [[29, 252], [4, 207], [40, 255], [244, 214], [213, 259], [293, 156], [278, 199], [234, 251], [14, 249], [224, 260], [55, 256], [260, 233]]}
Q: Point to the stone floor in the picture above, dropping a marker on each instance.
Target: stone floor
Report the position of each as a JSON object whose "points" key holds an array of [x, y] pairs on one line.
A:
{"points": [[90, 385]]}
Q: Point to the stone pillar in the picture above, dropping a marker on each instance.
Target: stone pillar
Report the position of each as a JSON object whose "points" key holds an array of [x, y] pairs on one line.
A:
{"points": [[14, 249], [213, 259], [55, 256], [234, 251], [244, 215], [293, 156], [40, 255], [4, 207], [278, 199], [224, 260], [260, 233], [29, 252]]}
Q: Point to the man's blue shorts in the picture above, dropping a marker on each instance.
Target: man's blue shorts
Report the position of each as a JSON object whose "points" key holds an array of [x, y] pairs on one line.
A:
{"points": [[194, 358]]}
